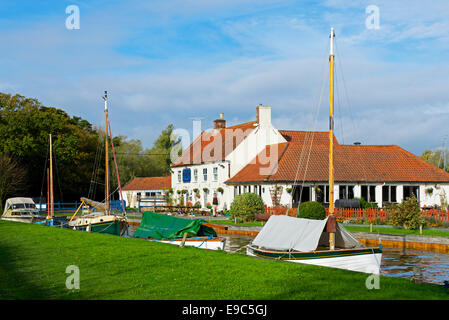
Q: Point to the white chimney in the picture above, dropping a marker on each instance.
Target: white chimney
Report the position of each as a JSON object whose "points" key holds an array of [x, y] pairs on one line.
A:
{"points": [[264, 115]]}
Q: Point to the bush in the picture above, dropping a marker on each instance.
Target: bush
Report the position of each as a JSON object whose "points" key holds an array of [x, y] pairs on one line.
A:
{"points": [[407, 214], [197, 204], [367, 205], [311, 210], [245, 206]]}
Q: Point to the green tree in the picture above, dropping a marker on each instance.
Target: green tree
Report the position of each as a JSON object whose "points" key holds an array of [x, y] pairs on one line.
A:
{"points": [[407, 214], [311, 210], [436, 158], [246, 205], [162, 148], [25, 125]]}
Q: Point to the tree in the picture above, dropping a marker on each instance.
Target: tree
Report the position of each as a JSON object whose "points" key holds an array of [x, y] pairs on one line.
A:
{"points": [[311, 210], [12, 178], [162, 148], [25, 125], [407, 214], [436, 157], [245, 206]]}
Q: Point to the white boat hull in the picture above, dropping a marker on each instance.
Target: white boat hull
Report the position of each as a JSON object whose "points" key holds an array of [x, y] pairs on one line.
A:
{"points": [[18, 219], [367, 263], [202, 243]]}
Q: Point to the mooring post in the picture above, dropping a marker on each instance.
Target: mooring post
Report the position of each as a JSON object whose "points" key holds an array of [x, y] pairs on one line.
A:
{"points": [[371, 227], [184, 237], [420, 229]]}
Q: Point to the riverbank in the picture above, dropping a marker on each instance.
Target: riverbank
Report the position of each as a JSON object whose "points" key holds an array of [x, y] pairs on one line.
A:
{"points": [[34, 258]]}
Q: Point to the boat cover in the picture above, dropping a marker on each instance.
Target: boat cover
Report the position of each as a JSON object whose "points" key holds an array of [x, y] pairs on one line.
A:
{"points": [[11, 201], [161, 226], [283, 232]]}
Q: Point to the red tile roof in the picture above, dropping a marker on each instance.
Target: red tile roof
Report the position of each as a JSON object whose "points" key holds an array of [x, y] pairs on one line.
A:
{"points": [[224, 141], [149, 183], [352, 163]]}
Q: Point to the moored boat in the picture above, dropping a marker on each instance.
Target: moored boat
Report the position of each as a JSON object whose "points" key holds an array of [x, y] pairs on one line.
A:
{"points": [[319, 242], [306, 241], [20, 209], [103, 220], [178, 231]]}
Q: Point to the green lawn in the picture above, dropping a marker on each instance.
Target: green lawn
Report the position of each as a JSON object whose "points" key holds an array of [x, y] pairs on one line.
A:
{"points": [[33, 261], [425, 232]]}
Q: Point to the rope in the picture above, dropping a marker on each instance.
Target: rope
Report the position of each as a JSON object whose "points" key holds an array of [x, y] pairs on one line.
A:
{"points": [[308, 133]]}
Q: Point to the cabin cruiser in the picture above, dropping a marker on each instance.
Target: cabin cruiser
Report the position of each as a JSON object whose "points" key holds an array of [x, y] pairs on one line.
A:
{"points": [[21, 210]]}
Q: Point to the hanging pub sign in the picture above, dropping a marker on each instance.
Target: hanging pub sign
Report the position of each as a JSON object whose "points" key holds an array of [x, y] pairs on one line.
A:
{"points": [[186, 174]]}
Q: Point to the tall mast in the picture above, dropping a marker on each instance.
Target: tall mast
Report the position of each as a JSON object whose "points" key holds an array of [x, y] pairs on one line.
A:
{"points": [[331, 136], [52, 207], [106, 146]]}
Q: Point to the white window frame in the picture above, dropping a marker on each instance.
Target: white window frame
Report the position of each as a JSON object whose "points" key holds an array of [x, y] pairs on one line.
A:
{"points": [[215, 172]]}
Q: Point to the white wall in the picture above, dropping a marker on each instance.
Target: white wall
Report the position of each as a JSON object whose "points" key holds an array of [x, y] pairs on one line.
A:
{"points": [[211, 184]]}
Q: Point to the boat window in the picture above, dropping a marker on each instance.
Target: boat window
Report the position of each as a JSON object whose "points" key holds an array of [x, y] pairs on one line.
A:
{"points": [[18, 206]]}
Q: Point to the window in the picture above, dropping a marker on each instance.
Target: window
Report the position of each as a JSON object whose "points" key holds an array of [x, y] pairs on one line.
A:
{"points": [[322, 194], [369, 193], [195, 175], [346, 192], [409, 191], [389, 194], [215, 174], [205, 174], [147, 194], [179, 176], [240, 189]]}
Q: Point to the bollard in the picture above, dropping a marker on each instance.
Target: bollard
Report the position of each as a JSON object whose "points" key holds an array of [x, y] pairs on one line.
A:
{"points": [[183, 240]]}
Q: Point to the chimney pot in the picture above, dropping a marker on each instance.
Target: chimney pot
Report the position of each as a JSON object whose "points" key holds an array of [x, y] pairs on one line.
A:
{"points": [[220, 123]]}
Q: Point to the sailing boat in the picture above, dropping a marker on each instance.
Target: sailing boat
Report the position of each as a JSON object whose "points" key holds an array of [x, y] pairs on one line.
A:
{"points": [[102, 221], [318, 242], [51, 220]]}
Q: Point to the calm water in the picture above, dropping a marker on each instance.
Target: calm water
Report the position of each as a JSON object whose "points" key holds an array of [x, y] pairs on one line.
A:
{"points": [[419, 265]]}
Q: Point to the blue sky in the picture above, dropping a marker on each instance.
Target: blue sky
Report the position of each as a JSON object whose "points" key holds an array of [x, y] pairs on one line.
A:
{"points": [[168, 61]]}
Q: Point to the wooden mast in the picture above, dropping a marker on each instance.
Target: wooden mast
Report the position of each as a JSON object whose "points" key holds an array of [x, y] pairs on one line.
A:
{"points": [[52, 207], [331, 223], [106, 146]]}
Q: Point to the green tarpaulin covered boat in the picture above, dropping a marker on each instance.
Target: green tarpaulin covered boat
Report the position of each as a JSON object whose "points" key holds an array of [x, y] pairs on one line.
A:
{"points": [[170, 229], [161, 226]]}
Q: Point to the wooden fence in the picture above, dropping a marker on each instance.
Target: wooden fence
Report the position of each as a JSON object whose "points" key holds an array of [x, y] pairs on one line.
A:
{"points": [[366, 214]]}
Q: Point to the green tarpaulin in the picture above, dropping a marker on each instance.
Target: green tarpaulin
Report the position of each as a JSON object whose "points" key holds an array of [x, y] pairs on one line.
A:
{"points": [[161, 226]]}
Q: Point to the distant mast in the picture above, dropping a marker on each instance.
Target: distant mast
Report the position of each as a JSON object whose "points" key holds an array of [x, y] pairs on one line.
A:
{"points": [[331, 141], [52, 202], [106, 148]]}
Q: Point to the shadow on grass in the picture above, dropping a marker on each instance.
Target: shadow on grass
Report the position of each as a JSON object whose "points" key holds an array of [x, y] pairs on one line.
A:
{"points": [[13, 283]]}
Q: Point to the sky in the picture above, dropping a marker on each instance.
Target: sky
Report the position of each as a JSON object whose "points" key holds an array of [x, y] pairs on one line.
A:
{"points": [[171, 61]]}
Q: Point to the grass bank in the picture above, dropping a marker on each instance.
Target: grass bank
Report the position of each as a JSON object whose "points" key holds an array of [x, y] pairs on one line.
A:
{"points": [[34, 258], [425, 232]]}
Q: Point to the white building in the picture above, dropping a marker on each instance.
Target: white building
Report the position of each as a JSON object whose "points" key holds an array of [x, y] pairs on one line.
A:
{"points": [[145, 188], [285, 166]]}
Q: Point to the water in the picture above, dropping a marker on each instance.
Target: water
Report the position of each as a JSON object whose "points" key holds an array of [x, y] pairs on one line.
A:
{"points": [[419, 265]]}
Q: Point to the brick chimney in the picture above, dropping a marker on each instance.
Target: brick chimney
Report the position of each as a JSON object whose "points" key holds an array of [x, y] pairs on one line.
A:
{"points": [[220, 123]]}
